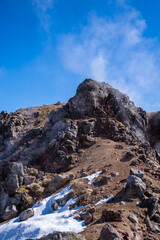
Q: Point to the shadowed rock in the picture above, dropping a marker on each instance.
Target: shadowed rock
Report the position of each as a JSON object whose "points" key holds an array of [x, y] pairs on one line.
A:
{"points": [[109, 233]]}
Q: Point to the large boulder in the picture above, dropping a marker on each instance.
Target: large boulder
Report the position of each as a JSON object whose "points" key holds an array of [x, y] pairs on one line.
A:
{"points": [[11, 184], [151, 204], [14, 168], [28, 213], [10, 212], [59, 181], [111, 215], [109, 233], [135, 186]]}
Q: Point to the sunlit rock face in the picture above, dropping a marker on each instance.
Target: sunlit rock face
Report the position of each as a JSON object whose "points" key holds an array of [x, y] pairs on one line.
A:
{"points": [[94, 99]]}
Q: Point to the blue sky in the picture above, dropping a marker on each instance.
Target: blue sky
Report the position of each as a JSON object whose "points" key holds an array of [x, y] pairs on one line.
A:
{"points": [[47, 47]]}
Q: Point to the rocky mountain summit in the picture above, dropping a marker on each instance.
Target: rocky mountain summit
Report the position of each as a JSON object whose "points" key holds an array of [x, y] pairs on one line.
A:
{"points": [[99, 133]]}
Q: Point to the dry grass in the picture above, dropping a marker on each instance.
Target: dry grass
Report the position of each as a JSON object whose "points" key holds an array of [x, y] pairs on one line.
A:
{"points": [[35, 189]]}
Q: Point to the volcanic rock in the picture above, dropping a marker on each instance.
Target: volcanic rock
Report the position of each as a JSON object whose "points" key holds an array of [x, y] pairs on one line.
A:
{"points": [[14, 168], [109, 233], [10, 212], [135, 186], [59, 181], [137, 173], [111, 215], [11, 184], [40, 145], [28, 213]]}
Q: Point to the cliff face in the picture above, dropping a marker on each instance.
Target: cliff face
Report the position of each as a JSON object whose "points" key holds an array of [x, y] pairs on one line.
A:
{"points": [[38, 143]]}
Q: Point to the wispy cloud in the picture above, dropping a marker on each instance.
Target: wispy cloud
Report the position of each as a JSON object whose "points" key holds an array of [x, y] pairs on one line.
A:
{"points": [[115, 51], [2, 71], [42, 8]]}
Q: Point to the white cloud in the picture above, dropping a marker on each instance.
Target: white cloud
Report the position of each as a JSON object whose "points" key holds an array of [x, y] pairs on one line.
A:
{"points": [[115, 51], [42, 8], [98, 67]]}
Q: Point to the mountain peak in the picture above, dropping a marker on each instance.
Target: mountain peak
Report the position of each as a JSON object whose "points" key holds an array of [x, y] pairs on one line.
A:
{"points": [[91, 142]]}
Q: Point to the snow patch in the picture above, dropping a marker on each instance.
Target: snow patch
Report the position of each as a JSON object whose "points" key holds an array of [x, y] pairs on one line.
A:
{"points": [[84, 212], [92, 176], [44, 221], [101, 201], [104, 200], [137, 203]]}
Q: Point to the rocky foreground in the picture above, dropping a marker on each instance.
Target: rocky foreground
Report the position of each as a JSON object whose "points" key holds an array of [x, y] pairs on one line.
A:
{"points": [[99, 133]]}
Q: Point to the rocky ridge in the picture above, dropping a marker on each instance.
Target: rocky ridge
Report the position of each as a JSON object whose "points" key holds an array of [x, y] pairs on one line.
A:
{"points": [[42, 149]]}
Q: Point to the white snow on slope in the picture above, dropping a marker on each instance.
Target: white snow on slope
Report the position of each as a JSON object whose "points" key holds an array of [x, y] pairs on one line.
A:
{"points": [[104, 200], [91, 177], [44, 221]]}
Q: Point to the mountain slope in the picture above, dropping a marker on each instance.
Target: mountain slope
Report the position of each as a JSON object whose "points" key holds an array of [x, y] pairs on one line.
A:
{"points": [[99, 130]]}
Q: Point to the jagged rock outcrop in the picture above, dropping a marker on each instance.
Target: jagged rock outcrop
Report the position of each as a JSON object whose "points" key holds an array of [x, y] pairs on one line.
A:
{"points": [[39, 145], [96, 110]]}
